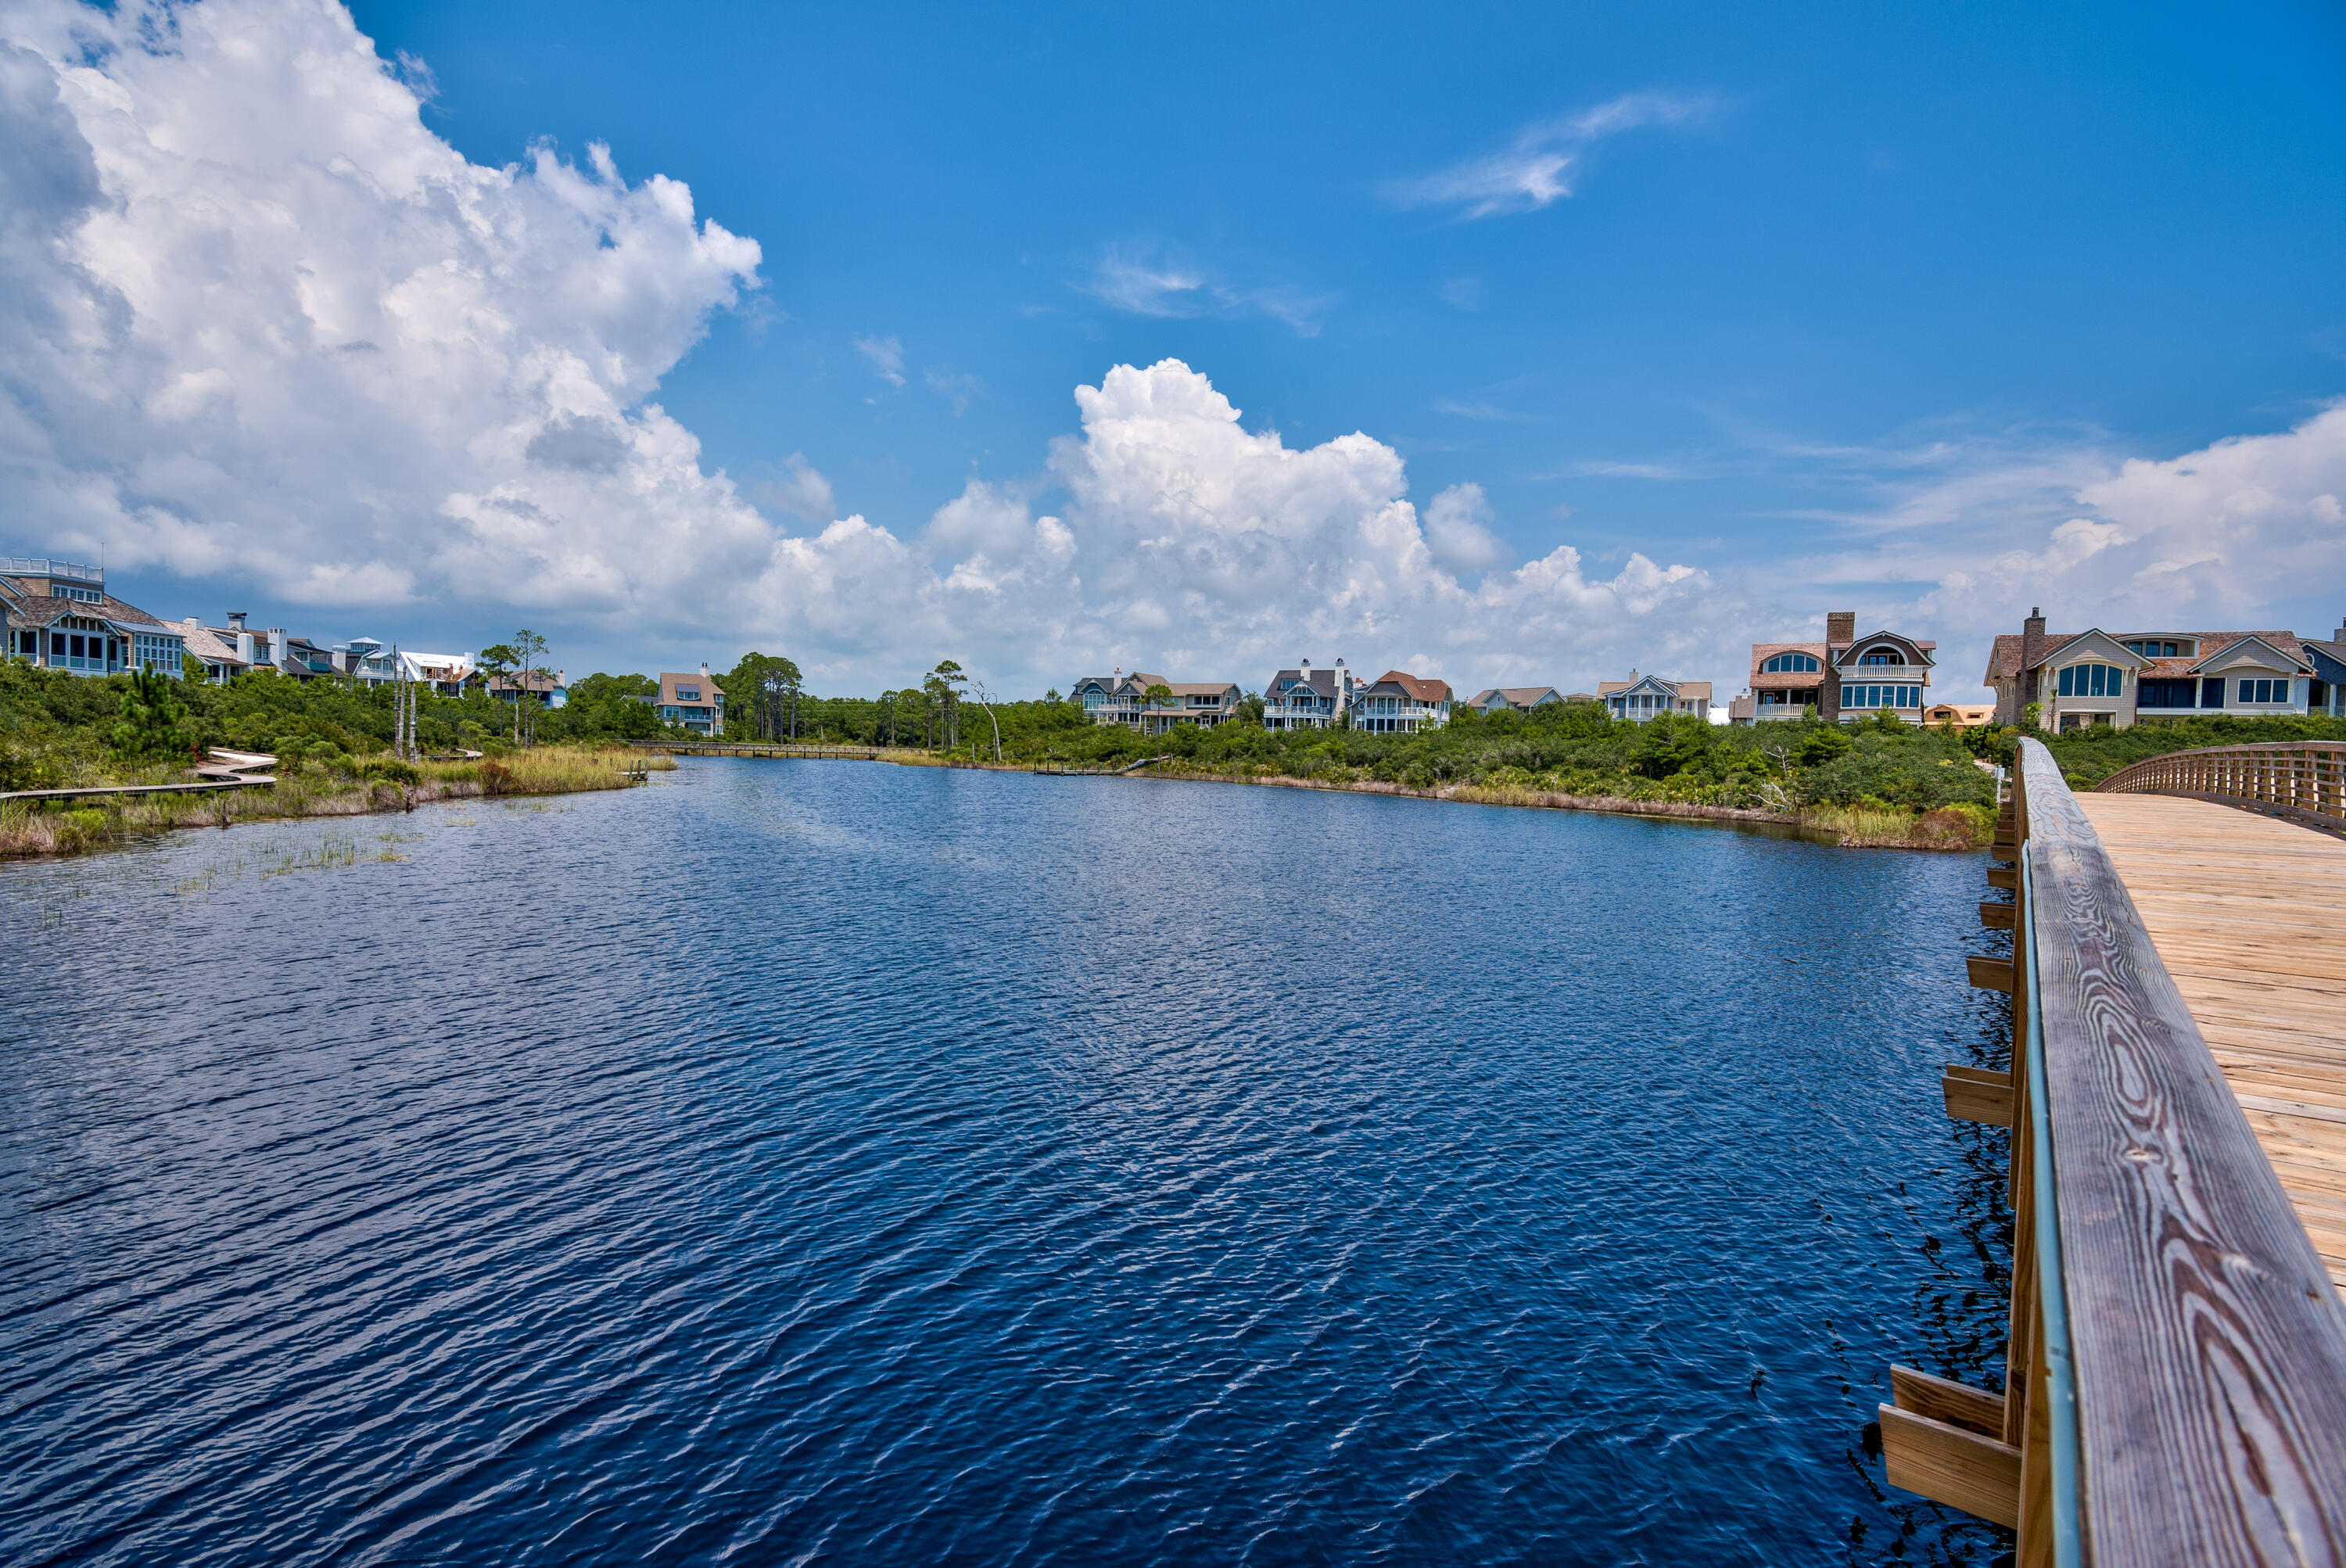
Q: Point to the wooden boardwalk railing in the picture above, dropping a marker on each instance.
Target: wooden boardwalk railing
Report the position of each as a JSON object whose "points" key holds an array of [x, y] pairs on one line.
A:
{"points": [[2304, 781], [2175, 1366]]}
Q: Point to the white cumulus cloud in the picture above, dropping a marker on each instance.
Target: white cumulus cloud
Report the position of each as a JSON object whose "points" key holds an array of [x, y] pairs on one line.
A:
{"points": [[262, 324], [1190, 543]]}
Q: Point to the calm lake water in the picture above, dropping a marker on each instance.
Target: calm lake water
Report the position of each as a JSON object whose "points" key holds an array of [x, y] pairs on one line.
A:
{"points": [[835, 1162]]}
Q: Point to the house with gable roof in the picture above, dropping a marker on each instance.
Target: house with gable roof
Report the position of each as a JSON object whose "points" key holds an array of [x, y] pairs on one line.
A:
{"points": [[1644, 697], [58, 615], [1399, 703], [1121, 699], [1308, 698], [1844, 676], [2326, 693], [694, 701], [2084, 679], [1500, 699]]}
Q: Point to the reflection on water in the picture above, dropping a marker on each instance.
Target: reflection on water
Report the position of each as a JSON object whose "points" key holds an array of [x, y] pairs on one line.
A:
{"points": [[795, 1162]]}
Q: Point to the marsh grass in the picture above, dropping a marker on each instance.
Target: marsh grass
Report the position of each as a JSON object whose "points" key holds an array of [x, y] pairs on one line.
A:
{"points": [[312, 789]]}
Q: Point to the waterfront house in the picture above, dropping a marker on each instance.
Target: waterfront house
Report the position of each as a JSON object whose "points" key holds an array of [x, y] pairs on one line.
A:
{"points": [[1844, 676], [366, 661], [58, 615], [1643, 696], [549, 688], [1500, 699], [213, 648], [445, 674], [693, 701], [1960, 715], [1307, 698], [2082, 680], [1399, 703], [2327, 692], [1121, 699]]}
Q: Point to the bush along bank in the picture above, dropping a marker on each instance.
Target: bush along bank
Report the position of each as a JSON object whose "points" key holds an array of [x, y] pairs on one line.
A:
{"points": [[310, 790], [59, 730], [1876, 782]]}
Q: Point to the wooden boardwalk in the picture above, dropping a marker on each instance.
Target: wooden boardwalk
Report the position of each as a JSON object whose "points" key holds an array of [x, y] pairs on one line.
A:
{"points": [[2248, 914]]}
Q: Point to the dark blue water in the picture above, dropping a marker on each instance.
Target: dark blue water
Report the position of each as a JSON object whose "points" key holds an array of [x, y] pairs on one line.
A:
{"points": [[831, 1162]]}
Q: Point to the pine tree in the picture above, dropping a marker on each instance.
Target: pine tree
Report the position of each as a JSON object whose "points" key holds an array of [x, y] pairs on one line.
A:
{"points": [[152, 720]]}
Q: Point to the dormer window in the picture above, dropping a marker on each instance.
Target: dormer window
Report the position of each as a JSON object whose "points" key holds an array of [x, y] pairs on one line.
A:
{"points": [[1790, 663], [1883, 656], [2163, 647], [687, 694]]}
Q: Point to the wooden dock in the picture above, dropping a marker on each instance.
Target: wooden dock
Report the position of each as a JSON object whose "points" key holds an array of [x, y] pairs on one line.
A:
{"points": [[2175, 1383], [2249, 913]]}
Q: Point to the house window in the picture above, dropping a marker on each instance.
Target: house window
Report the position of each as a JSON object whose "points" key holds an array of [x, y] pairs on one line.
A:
{"points": [[2166, 693], [1883, 655], [2092, 680], [687, 694], [1865, 699], [2153, 647], [2211, 692], [1790, 664], [2263, 690]]}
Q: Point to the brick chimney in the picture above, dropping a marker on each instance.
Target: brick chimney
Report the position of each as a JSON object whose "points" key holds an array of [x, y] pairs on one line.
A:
{"points": [[1841, 627], [2032, 648]]}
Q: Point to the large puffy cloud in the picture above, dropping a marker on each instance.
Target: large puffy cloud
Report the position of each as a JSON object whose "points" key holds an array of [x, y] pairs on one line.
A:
{"points": [[262, 323], [1190, 543]]}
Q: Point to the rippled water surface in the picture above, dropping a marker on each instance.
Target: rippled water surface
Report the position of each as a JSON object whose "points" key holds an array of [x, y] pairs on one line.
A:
{"points": [[836, 1162]]}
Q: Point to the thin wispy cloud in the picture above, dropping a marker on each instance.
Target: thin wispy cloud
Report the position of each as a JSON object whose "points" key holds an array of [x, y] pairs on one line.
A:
{"points": [[1538, 167], [955, 387], [1147, 287], [1625, 471], [887, 357], [1491, 412], [1147, 284]]}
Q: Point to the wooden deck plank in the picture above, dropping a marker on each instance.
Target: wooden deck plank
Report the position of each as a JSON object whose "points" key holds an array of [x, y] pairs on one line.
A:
{"points": [[2248, 914]]}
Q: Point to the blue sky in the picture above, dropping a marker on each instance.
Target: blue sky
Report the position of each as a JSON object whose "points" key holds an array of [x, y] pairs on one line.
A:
{"points": [[1811, 305]]}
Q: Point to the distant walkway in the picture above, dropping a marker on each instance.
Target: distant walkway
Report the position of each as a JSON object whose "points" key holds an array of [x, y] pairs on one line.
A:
{"points": [[219, 770], [2248, 914]]}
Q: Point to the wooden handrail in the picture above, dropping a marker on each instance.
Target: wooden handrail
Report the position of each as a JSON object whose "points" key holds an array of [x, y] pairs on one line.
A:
{"points": [[2303, 780], [2206, 1345]]}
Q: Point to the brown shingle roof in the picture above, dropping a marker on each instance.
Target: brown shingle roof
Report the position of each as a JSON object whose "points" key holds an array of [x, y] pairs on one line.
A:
{"points": [[40, 609], [2003, 660], [1422, 689]]}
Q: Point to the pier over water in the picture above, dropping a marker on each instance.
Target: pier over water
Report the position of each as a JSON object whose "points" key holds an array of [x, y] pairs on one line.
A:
{"points": [[2176, 1385]]}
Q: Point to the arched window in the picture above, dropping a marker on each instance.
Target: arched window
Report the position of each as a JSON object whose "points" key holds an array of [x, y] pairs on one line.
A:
{"points": [[2092, 680], [1883, 656], [1790, 663]]}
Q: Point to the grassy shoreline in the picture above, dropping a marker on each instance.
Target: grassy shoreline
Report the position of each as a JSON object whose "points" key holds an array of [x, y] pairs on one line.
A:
{"points": [[1948, 828], [1963, 828], [30, 829]]}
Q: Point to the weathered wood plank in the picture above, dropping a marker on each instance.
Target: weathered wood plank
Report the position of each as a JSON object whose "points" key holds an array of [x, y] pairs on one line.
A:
{"points": [[1990, 974], [1949, 1464], [1977, 1095], [2209, 1351], [1955, 1404]]}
